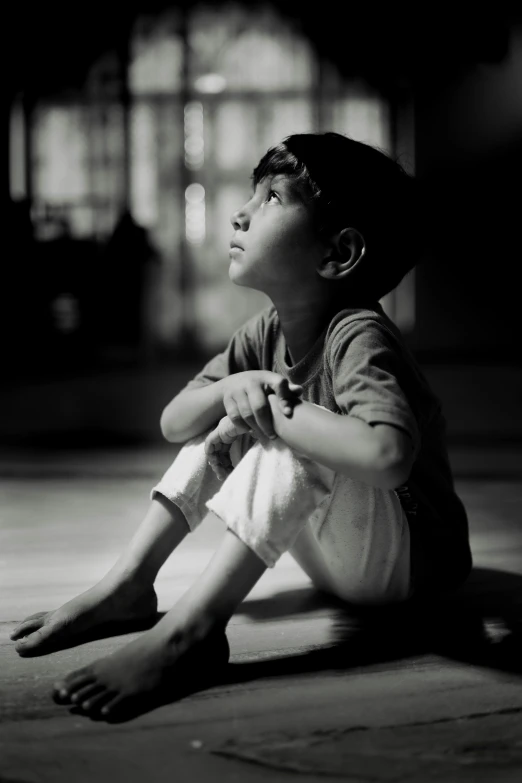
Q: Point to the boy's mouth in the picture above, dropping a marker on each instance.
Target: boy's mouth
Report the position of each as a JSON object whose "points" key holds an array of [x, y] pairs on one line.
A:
{"points": [[235, 249]]}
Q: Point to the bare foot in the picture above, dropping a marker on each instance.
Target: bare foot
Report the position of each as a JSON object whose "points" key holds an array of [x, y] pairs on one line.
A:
{"points": [[162, 665], [111, 607]]}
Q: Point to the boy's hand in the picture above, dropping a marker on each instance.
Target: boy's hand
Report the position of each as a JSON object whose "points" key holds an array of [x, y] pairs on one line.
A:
{"points": [[218, 443], [246, 403]]}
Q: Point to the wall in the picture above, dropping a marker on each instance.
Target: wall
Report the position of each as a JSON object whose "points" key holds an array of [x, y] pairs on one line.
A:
{"points": [[467, 148]]}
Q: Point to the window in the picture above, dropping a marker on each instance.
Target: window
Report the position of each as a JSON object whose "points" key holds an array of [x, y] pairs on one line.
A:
{"points": [[252, 79]]}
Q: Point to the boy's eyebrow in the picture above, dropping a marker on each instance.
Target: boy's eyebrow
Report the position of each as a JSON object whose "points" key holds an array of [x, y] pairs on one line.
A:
{"points": [[271, 178], [286, 184], [291, 188], [281, 179], [277, 181]]}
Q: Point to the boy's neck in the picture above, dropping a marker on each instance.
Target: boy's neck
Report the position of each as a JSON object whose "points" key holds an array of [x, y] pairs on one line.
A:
{"points": [[302, 325]]}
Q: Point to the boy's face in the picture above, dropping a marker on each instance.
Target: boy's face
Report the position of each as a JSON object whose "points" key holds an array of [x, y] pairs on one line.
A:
{"points": [[275, 246]]}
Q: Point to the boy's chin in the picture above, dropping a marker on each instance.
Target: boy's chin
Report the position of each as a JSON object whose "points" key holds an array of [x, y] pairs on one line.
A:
{"points": [[238, 276], [245, 283]]}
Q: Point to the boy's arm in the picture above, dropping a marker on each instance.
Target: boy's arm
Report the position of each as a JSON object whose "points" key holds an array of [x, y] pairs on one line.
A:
{"points": [[379, 455], [192, 412], [200, 405], [242, 396]]}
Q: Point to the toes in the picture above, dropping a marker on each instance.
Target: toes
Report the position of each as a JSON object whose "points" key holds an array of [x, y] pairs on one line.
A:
{"points": [[111, 709], [35, 616], [63, 691], [82, 696], [85, 694], [29, 645], [29, 625], [95, 704]]}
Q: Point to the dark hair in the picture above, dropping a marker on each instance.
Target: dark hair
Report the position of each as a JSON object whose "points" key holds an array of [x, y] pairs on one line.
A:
{"points": [[352, 184]]}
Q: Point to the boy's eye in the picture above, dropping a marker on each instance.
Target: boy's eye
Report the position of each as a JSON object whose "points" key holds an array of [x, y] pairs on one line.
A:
{"points": [[271, 195]]}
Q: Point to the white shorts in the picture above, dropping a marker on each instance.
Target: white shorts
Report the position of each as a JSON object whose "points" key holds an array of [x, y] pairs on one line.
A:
{"points": [[350, 538]]}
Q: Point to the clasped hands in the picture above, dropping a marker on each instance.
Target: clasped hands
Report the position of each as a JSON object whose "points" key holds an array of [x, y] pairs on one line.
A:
{"points": [[248, 410]]}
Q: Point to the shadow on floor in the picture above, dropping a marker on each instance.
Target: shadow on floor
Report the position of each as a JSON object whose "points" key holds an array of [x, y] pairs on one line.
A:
{"points": [[481, 624]]}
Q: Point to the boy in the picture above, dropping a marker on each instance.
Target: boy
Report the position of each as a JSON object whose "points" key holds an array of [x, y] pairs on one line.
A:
{"points": [[314, 432]]}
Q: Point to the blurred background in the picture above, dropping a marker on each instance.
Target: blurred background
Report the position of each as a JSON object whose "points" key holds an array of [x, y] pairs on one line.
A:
{"points": [[132, 133]]}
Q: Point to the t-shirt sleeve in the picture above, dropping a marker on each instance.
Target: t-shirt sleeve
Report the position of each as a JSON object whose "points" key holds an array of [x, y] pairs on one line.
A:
{"points": [[242, 353], [366, 373]]}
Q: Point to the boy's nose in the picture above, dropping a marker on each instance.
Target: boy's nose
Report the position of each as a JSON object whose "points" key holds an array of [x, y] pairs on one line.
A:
{"points": [[239, 220]]}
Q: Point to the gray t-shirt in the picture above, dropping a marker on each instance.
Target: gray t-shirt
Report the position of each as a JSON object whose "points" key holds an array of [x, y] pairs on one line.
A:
{"points": [[360, 366]]}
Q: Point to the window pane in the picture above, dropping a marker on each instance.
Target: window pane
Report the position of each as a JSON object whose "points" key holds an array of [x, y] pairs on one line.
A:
{"points": [[262, 60], [285, 117], [249, 48], [364, 118], [169, 116], [156, 55], [17, 161], [235, 132], [144, 174], [61, 152], [81, 221]]}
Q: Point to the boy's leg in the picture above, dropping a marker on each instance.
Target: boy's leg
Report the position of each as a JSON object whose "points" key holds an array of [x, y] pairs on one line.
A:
{"points": [[146, 669], [352, 539], [125, 596], [358, 547], [269, 496], [265, 503]]}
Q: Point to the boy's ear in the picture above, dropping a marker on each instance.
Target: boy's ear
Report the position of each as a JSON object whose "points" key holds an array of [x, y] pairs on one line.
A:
{"points": [[345, 250]]}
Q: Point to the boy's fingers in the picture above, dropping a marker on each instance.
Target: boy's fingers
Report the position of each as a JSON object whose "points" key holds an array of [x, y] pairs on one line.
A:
{"points": [[227, 430], [285, 392], [289, 390], [238, 412], [210, 446], [284, 397], [288, 406], [261, 418], [255, 428], [274, 381], [281, 390], [291, 397], [265, 422], [218, 471], [221, 470], [220, 463]]}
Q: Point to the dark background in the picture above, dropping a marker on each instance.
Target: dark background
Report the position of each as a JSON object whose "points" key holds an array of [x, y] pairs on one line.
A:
{"points": [[461, 79]]}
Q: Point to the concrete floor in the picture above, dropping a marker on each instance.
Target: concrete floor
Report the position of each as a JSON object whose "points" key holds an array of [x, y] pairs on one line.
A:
{"points": [[311, 691]]}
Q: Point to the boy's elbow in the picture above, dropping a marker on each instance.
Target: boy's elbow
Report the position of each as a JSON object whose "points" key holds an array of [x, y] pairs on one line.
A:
{"points": [[167, 433], [395, 471], [171, 437], [167, 430], [396, 456]]}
